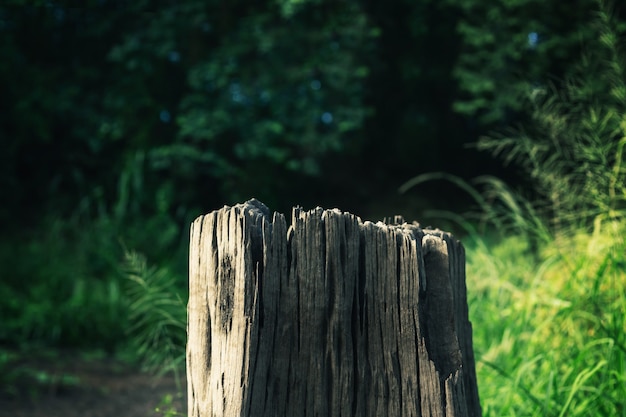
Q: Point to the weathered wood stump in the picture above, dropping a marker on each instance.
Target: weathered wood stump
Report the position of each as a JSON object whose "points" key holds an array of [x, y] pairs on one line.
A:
{"points": [[327, 317]]}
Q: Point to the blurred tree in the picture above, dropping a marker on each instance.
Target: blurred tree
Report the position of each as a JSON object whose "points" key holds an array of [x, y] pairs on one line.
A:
{"points": [[246, 93], [572, 150], [131, 109], [123, 119], [217, 101], [53, 80], [512, 47]]}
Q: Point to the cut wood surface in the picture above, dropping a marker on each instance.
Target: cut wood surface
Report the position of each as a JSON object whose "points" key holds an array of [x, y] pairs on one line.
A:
{"points": [[330, 316]]}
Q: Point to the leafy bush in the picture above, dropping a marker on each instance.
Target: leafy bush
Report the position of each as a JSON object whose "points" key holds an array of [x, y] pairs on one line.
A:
{"points": [[572, 151], [63, 290], [64, 286]]}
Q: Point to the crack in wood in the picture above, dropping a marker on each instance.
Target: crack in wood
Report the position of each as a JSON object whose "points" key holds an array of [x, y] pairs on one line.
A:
{"points": [[328, 316]]}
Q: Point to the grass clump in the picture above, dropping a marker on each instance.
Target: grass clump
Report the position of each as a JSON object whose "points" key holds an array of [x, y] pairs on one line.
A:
{"points": [[549, 335], [157, 315], [546, 266], [66, 294], [572, 151], [550, 329]]}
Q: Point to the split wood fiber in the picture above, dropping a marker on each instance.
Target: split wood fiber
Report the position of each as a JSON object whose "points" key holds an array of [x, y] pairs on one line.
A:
{"points": [[330, 316]]}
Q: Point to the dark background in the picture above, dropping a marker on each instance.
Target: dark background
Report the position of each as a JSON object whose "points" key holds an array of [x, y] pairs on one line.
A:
{"points": [[120, 122]]}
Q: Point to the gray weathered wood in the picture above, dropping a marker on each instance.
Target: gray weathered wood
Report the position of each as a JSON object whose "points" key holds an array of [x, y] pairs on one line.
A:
{"points": [[330, 316]]}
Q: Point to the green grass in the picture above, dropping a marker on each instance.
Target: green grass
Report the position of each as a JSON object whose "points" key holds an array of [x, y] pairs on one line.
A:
{"points": [[157, 316], [549, 331], [548, 295], [167, 407], [60, 288]]}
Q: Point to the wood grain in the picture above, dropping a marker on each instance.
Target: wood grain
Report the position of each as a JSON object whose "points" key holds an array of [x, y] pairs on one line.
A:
{"points": [[330, 316]]}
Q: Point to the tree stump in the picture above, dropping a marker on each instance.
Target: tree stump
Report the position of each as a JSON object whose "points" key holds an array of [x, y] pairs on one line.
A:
{"points": [[330, 316]]}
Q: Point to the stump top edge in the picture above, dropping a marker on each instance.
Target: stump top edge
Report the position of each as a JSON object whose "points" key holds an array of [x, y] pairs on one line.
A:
{"points": [[255, 208]]}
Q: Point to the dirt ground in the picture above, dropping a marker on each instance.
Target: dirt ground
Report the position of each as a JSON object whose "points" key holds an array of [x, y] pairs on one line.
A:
{"points": [[71, 386]]}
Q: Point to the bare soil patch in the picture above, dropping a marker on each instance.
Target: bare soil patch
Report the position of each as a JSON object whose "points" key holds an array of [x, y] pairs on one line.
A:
{"points": [[71, 385]]}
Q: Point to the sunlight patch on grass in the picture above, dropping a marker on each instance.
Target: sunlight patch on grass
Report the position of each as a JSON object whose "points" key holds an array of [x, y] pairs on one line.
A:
{"points": [[549, 331]]}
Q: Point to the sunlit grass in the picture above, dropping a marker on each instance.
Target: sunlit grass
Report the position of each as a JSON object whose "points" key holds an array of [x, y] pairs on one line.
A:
{"points": [[548, 298], [549, 332]]}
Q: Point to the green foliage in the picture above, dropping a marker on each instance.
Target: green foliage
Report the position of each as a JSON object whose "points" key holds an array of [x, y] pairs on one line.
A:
{"points": [[65, 293], [549, 335], [498, 206], [19, 380], [509, 47], [261, 87], [157, 315], [52, 98], [63, 286], [573, 149], [167, 408], [548, 313], [225, 101], [122, 121]]}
